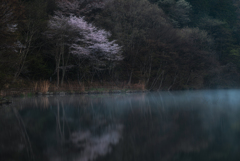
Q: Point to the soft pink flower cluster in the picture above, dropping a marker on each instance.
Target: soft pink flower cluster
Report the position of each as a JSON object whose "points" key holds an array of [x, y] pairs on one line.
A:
{"points": [[83, 39]]}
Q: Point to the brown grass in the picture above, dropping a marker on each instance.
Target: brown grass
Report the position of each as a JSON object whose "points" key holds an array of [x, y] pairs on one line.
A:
{"points": [[2, 93], [116, 86], [139, 86], [70, 86], [74, 86], [41, 86], [27, 87], [134, 86]]}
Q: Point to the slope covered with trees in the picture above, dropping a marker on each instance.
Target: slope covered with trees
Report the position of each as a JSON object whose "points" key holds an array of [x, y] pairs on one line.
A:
{"points": [[163, 44]]}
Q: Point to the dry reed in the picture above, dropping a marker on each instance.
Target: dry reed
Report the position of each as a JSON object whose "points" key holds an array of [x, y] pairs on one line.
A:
{"points": [[41, 86], [69, 86], [138, 86], [76, 86], [2, 93]]}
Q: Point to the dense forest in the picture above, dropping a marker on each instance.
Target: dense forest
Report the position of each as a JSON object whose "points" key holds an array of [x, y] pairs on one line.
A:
{"points": [[163, 44]]}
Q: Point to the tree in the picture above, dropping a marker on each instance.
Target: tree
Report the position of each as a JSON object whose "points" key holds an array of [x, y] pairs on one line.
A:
{"points": [[11, 12], [81, 39], [31, 32], [60, 32], [94, 44], [178, 11], [155, 53]]}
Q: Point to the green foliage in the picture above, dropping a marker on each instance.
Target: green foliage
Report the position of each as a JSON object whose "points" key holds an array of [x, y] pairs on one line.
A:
{"points": [[218, 9], [40, 66], [31, 36], [11, 11], [167, 44], [155, 52], [178, 11]]}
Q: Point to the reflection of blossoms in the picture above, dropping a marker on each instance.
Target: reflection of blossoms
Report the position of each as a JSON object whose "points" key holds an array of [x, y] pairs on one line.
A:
{"points": [[94, 146], [85, 146]]}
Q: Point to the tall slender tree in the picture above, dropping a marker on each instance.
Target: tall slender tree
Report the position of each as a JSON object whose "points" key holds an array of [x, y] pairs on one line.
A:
{"points": [[73, 35], [11, 13]]}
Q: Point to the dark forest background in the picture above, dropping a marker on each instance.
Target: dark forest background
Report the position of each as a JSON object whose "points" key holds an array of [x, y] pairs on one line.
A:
{"points": [[165, 44]]}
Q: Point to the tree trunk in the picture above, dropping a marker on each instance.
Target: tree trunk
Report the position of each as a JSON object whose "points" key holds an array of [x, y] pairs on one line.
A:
{"points": [[149, 72], [57, 58], [160, 86], [174, 80], [130, 78], [63, 64], [24, 52]]}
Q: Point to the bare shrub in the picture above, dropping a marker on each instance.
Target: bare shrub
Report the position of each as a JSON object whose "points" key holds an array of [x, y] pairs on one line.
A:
{"points": [[138, 86], [41, 86]]}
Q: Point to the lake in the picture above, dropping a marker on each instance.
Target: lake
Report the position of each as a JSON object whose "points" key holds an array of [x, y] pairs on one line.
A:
{"points": [[156, 126]]}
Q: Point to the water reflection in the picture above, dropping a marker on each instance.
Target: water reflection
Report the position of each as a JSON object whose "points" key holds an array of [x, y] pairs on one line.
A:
{"points": [[198, 125]]}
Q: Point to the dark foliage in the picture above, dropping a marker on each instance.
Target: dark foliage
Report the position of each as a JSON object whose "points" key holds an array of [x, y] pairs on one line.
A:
{"points": [[166, 44]]}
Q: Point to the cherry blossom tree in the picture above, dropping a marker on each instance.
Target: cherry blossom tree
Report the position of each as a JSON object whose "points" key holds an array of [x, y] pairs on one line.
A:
{"points": [[94, 43], [81, 39], [61, 33]]}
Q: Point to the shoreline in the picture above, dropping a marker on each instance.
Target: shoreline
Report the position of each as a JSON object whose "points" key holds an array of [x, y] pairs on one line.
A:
{"points": [[31, 93], [6, 98], [30, 88]]}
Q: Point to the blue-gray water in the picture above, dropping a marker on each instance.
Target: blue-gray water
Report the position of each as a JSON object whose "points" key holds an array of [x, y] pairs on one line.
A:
{"points": [[164, 126]]}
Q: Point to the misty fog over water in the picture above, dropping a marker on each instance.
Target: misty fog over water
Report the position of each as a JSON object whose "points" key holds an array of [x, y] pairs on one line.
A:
{"points": [[179, 126]]}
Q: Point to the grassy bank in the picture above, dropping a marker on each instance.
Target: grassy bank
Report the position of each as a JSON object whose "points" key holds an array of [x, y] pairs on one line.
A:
{"points": [[30, 88]]}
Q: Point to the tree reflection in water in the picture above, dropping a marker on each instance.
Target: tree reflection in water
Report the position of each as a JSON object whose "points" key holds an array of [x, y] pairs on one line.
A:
{"points": [[14, 140], [138, 127], [150, 137]]}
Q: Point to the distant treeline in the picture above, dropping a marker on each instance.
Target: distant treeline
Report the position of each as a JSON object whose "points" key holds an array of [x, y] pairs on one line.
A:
{"points": [[164, 44]]}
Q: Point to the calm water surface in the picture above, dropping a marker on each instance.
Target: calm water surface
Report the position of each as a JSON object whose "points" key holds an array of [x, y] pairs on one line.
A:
{"points": [[164, 126]]}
